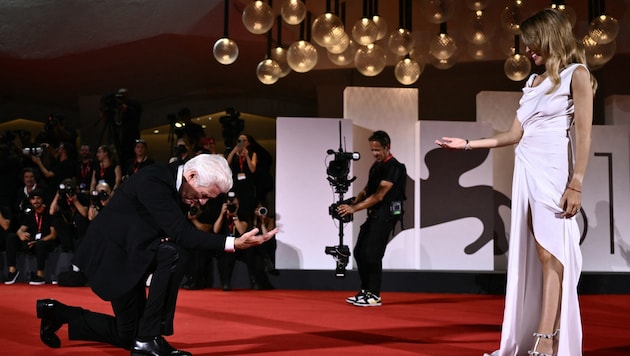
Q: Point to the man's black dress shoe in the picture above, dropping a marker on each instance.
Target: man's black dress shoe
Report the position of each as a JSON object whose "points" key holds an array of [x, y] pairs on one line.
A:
{"points": [[50, 324], [157, 346]]}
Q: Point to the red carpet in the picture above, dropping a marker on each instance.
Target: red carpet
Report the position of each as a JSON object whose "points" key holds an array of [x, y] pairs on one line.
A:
{"points": [[288, 322]]}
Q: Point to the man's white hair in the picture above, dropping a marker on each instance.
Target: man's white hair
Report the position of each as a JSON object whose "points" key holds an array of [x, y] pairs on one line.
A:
{"points": [[210, 169]]}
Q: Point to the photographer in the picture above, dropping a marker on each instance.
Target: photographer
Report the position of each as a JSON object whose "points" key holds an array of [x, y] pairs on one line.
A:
{"points": [[99, 198], [243, 161], [262, 258], [63, 167], [69, 210], [36, 235], [229, 223], [198, 270], [382, 197]]}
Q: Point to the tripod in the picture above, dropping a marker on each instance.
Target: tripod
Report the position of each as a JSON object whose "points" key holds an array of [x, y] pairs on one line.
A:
{"points": [[111, 131]]}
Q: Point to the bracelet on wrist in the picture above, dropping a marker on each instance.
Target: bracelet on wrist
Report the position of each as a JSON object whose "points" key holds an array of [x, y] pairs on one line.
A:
{"points": [[467, 146], [575, 190]]}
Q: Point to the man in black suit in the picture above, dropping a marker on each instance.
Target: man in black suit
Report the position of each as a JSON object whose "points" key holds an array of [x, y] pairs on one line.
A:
{"points": [[140, 233]]}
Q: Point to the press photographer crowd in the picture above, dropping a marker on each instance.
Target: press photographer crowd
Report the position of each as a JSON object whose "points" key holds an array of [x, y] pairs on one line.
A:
{"points": [[53, 185]]}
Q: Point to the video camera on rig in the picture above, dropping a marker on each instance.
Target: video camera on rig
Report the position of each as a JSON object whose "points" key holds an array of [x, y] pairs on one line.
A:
{"points": [[341, 254], [338, 170]]}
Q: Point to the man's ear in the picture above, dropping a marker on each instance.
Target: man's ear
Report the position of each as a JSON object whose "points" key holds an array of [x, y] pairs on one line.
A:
{"points": [[191, 177]]}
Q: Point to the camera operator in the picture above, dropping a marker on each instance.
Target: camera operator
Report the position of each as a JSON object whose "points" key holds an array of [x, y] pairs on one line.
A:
{"points": [[55, 133], [382, 197], [36, 234], [99, 198], [63, 167], [229, 223], [69, 210]]}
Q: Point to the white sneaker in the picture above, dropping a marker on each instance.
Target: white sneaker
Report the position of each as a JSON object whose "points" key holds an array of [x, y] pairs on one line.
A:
{"points": [[368, 299]]}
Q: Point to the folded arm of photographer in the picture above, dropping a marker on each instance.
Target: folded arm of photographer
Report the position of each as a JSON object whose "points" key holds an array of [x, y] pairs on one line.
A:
{"points": [[362, 202]]}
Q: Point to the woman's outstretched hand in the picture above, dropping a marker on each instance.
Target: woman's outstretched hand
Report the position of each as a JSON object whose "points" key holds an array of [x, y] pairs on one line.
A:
{"points": [[452, 143]]}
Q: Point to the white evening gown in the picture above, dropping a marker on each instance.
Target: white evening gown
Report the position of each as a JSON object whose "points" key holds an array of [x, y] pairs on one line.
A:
{"points": [[542, 169]]}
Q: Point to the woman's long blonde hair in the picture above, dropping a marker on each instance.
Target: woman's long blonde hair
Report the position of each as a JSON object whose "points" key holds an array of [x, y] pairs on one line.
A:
{"points": [[550, 34]]}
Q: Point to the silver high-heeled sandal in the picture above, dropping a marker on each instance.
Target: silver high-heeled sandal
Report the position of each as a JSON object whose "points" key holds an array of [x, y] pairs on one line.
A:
{"points": [[539, 336]]}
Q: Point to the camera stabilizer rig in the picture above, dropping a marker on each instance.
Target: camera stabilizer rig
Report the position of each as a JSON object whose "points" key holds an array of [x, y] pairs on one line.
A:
{"points": [[338, 170]]}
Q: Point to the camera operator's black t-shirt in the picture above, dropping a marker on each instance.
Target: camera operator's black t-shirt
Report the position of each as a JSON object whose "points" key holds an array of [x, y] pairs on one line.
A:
{"points": [[389, 170]]}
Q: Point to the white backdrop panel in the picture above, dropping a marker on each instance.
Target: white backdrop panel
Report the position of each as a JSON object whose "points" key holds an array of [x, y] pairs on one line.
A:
{"points": [[303, 193], [394, 110], [606, 246], [456, 199]]}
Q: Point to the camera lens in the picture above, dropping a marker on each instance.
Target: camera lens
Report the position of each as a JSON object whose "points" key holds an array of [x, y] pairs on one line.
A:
{"points": [[262, 211]]}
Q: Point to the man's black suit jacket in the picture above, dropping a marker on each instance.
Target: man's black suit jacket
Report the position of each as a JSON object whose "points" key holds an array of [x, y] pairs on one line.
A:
{"points": [[121, 242]]}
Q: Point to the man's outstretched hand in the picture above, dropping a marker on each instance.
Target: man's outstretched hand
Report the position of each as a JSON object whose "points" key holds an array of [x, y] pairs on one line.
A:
{"points": [[250, 239]]}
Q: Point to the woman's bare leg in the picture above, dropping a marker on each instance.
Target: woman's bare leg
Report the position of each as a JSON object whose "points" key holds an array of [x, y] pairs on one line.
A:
{"points": [[552, 273]]}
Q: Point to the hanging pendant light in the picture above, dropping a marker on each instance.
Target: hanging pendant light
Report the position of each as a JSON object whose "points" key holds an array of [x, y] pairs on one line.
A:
{"points": [[268, 70], [437, 11], [566, 10], [476, 28], [293, 11], [327, 29], [407, 70], [279, 53], [365, 31], [599, 43], [370, 60], [380, 21], [603, 29], [442, 46], [518, 66], [302, 55], [258, 17], [402, 41], [225, 50], [511, 16], [346, 56]]}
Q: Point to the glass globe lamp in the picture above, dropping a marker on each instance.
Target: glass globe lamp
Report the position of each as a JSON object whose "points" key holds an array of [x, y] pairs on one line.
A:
{"points": [[381, 23], [443, 64], [225, 51], [517, 67], [603, 29], [302, 56], [598, 54], [364, 32], [567, 11], [279, 55], [477, 29], [340, 46], [401, 42], [258, 17], [479, 52], [442, 46], [511, 17], [476, 5], [327, 30], [370, 60], [346, 57], [293, 11], [437, 11], [407, 71], [268, 71]]}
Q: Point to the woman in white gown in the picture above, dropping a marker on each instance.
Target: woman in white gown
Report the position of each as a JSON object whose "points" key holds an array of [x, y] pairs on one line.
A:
{"points": [[544, 260]]}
